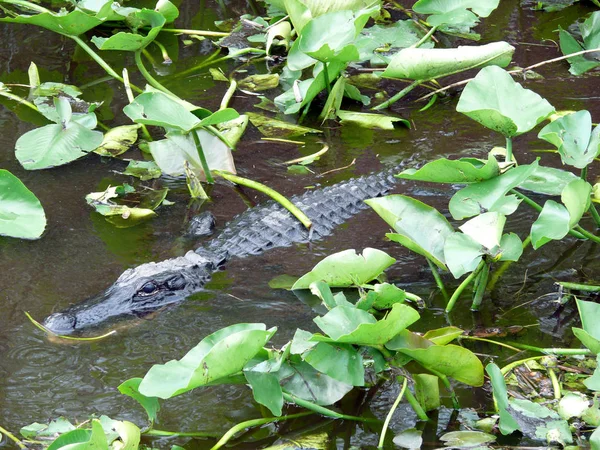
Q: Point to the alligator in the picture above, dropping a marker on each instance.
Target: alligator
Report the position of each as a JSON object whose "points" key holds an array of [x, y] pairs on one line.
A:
{"points": [[150, 286]]}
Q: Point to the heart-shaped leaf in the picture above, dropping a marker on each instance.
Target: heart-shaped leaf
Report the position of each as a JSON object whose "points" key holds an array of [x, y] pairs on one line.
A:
{"points": [[21, 214], [463, 171]]}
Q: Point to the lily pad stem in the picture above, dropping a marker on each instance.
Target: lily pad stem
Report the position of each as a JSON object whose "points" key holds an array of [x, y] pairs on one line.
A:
{"points": [[268, 191], [229, 94], [438, 279], [425, 38], [555, 383], [509, 151], [391, 412], [209, 177], [480, 287], [579, 286], [253, 423], [397, 96], [326, 75], [26, 4], [463, 285], [552, 351], [18, 99], [448, 386], [322, 410], [151, 80], [504, 370], [416, 406], [195, 32], [12, 437], [204, 434], [490, 341]]}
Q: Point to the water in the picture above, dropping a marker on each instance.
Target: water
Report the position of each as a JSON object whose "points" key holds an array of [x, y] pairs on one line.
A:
{"points": [[80, 253]]}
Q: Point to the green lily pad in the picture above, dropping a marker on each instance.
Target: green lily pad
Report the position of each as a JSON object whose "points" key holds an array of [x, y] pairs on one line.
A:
{"points": [[411, 438], [590, 33], [118, 140], [548, 180], [369, 120], [485, 229], [144, 170], [462, 254], [158, 109], [466, 439], [593, 382], [82, 439], [443, 336], [386, 295], [150, 404], [418, 226], [265, 384], [490, 195], [427, 391], [218, 355], [21, 213], [464, 170], [455, 15], [572, 134], [38, 430], [347, 268], [131, 42], [589, 334], [572, 404], [349, 325], [424, 64], [341, 362], [499, 103], [69, 139]]}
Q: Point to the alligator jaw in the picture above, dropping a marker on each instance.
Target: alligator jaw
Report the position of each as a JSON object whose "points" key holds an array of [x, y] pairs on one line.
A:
{"points": [[137, 291]]}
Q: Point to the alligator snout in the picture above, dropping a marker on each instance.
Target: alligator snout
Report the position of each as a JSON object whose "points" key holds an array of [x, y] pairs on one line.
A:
{"points": [[61, 323]]}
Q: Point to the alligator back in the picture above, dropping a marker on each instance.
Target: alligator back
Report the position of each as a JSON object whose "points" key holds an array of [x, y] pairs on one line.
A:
{"points": [[269, 226]]}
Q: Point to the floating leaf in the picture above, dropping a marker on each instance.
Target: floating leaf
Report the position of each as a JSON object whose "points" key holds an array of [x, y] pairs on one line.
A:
{"points": [[347, 268], [83, 439], [572, 404], [424, 64], [144, 170], [547, 180], [466, 439], [55, 145], [497, 102], [217, 356], [21, 213], [131, 389], [418, 226], [345, 324], [369, 120], [590, 33], [456, 13], [118, 140], [56, 426], [341, 362], [259, 82], [572, 134], [130, 42], [159, 109], [411, 438], [276, 128], [464, 170]]}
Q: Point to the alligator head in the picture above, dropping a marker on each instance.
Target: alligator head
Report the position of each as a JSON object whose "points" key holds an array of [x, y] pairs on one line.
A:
{"points": [[138, 291]]}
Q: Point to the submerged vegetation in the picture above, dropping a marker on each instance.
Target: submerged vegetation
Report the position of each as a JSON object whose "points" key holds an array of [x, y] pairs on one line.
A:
{"points": [[365, 339]]}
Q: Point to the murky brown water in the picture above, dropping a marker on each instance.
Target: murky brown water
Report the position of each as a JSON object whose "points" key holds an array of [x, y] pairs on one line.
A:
{"points": [[80, 253]]}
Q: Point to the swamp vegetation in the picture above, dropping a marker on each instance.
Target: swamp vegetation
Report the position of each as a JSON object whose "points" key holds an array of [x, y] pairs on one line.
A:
{"points": [[481, 331]]}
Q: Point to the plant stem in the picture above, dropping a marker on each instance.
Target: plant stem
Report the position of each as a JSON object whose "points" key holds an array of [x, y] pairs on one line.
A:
{"points": [[496, 274], [509, 152], [397, 96], [12, 437], [580, 286], [229, 94], [552, 351], [268, 191], [438, 279], [489, 341], [555, 383], [206, 434], [594, 213], [253, 423], [583, 174], [195, 32], [578, 234], [324, 411], [163, 52], [416, 406], [481, 285], [211, 60], [391, 412], [504, 370], [449, 388], [327, 82], [462, 286], [18, 99], [29, 5], [151, 80], [109, 70], [425, 38], [586, 233], [207, 173]]}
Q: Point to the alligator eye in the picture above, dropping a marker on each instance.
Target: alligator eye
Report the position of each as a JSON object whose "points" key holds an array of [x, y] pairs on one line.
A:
{"points": [[148, 289]]}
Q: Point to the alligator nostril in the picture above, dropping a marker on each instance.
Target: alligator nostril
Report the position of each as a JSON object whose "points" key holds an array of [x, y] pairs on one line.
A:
{"points": [[61, 323]]}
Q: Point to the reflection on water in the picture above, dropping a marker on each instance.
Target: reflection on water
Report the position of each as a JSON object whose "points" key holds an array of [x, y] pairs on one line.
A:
{"points": [[80, 253]]}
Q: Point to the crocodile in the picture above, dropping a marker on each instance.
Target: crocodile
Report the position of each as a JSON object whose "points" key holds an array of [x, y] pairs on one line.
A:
{"points": [[150, 286]]}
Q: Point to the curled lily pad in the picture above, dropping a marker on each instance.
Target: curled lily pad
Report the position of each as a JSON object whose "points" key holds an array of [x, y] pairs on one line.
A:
{"points": [[464, 170], [131, 42], [217, 356], [369, 120], [347, 268], [276, 128], [21, 213], [572, 134], [424, 64], [418, 226], [499, 103], [118, 140]]}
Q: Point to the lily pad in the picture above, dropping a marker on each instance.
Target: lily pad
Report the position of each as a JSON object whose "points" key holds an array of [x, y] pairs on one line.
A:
{"points": [[369, 120], [466, 439], [144, 170], [547, 180], [94, 438], [131, 389], [456, 14], [411, 438], [276, 128], [21, 213], [424, 64], [118, 140], [347, 268], [464, 170], [218, 355], [418, 226], [589, 334], [341, 362], [590, 33], [499, 103], [572, 134], [131, 42], [349, 325], [507, 422]]}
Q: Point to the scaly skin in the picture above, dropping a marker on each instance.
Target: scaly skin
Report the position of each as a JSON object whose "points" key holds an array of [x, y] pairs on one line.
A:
{"points": [[151, 286]]}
